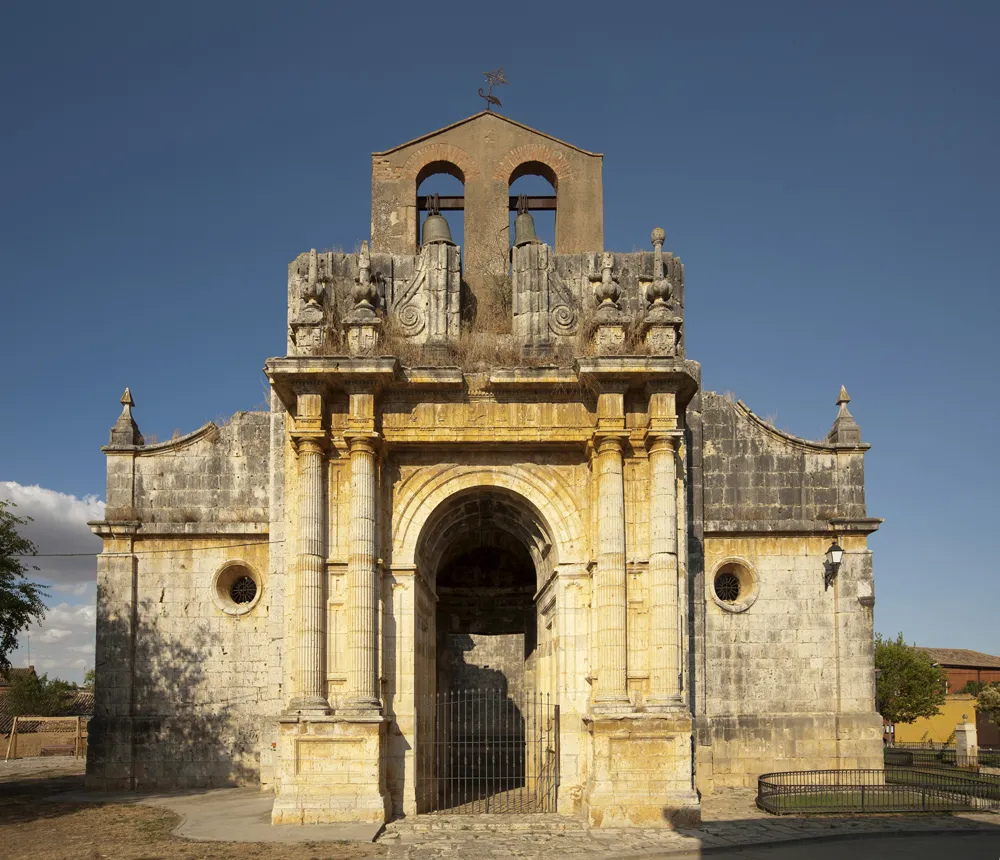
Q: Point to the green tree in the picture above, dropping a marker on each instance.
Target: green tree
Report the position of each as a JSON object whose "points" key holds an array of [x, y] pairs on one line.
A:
{"points": [[973, 688], [88, 679], [909, 685], [20, 600], [988, 702], [31, 695]]}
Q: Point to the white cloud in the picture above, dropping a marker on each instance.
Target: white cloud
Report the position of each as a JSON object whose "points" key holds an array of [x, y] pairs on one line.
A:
{"points": [[78, 589], [59, 525], [63, 644]]}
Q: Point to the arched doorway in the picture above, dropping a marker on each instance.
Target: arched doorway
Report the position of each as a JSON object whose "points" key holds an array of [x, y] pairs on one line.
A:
{"points": [[490, 740]]}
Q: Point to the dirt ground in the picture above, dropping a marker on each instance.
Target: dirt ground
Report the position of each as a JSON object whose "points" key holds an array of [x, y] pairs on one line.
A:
{"points": [[31, 827]]}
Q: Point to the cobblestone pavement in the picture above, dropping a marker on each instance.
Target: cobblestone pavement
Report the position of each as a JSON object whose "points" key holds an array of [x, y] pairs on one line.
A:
{"points": [[731, 819]]}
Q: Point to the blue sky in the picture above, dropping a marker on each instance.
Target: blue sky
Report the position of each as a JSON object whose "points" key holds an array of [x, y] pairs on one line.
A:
{"points": [[827, 172]]}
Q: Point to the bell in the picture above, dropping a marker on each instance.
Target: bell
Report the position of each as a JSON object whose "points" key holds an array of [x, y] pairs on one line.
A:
{"points": [[436, 230], [524, 230]]}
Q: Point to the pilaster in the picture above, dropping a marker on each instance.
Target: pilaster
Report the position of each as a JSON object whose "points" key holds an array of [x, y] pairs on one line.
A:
{"points": [[362, 577], [612, 663], [309, 695], [664, 618]]}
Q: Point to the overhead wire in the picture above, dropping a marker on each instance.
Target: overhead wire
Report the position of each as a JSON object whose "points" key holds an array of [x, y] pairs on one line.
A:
{"points": [[146, 551]]}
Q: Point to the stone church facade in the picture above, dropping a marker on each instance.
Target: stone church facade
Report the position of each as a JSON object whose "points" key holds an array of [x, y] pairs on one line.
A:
{"points": [[485, 469]]}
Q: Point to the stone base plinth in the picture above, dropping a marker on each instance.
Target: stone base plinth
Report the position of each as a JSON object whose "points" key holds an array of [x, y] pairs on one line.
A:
{"points": [[641, 772], [329, 769], [733, 750]]}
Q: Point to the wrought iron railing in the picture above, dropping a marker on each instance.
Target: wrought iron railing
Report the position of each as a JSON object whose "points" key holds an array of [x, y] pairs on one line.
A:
{"points": [[928, 755], [893, 789], [493, 752]]}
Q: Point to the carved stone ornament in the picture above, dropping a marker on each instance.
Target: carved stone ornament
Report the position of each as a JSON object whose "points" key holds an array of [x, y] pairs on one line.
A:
{"points": [[364, 294]]}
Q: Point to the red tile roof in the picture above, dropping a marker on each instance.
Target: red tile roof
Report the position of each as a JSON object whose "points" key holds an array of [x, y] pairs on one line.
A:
{"points": [[81, 704], [961, 658], [14, 672]]}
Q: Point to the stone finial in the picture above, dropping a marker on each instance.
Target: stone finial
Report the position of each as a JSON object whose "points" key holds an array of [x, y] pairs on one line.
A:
{"points": [[126, 431], [607, 290], [362, 323], [313, 290], [657, 237], [660, 328], [364, 293], [313, 266], [609, 331], [845, 429]]}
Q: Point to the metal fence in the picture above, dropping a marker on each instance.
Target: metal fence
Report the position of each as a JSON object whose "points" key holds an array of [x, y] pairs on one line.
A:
{"points": [[894, 789], [494, 752], [927, 755]]}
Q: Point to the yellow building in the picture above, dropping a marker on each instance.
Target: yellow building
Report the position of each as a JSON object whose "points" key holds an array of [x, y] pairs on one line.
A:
{"points": [[941, 727]]}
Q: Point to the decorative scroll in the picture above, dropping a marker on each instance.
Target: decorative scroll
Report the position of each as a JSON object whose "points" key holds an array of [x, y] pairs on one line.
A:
{"points": [[563, 316], [407, 311]]}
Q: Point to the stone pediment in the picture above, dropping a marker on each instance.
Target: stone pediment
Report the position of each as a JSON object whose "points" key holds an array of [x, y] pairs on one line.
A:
{"points": [[482, 122]]}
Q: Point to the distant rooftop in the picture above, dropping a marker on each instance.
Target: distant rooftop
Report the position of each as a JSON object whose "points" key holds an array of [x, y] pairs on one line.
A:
{"points": [[962, 658], [14, 672]]}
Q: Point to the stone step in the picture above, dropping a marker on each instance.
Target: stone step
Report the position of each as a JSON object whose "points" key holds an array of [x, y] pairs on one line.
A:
{"points": [[483, 823]]}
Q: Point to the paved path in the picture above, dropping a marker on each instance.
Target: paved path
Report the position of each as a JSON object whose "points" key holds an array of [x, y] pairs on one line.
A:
{"points": [[503, 837], [733, 825], [968, 846]]}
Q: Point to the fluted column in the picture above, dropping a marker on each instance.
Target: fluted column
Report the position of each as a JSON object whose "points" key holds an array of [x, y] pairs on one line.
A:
{"points": [[310, 694], [664, 688], [362, 579], [612, 660]]}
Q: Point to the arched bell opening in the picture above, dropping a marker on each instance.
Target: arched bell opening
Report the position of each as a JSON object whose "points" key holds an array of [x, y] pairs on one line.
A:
{"points": [[440, 190], [539, 185]]}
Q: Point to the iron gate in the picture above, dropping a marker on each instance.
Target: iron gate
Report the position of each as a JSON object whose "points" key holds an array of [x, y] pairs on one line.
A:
{"points": [[494, 752]]}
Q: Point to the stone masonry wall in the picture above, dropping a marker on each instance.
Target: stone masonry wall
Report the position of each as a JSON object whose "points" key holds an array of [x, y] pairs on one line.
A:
{"points": [[757, 474], [788, 678], [185, 687]]}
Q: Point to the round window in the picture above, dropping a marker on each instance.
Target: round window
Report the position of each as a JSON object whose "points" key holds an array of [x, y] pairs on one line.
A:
{"points": [[727, 586], [237, 588], [243, 590], [734, 585]]}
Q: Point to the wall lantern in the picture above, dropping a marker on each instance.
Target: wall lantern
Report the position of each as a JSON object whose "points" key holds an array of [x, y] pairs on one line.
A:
{"points": [[834, 555]]}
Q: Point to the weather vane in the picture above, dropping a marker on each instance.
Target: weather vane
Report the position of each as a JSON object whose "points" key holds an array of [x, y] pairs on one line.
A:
{"points": [[493, 79]]}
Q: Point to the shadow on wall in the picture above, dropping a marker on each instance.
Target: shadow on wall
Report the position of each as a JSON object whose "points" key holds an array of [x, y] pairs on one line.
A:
{"points": [[193, 721]]}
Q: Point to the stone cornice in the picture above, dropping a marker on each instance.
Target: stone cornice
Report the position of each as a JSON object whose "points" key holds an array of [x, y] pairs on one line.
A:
{"points": [[833, 526], [796, 441], [533, 377], [635, 371], [289, 375]]}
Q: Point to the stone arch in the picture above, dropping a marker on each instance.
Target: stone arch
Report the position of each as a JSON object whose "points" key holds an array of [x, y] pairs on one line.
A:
{"points": [[484, 518], [539, 156], [438, 154], [545, 495], [535, 168], [434, 168]]}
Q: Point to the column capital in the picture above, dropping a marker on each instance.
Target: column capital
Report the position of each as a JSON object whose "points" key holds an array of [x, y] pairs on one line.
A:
{"points": [[657, 440], [608, 440], [363, 440], [310, 442]]}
